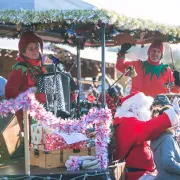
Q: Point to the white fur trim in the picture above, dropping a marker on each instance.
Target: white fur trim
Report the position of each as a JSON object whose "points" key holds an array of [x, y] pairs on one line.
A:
{"points": [[147, 177], [138, 98], [173, 117]]}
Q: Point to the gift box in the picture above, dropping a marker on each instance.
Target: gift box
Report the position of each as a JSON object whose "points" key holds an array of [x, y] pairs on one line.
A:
{"points": [[38, 134], [45, 140], [56, 158]]}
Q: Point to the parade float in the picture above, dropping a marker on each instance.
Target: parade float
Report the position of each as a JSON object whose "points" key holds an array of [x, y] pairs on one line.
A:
{"points": [[51, 146]]}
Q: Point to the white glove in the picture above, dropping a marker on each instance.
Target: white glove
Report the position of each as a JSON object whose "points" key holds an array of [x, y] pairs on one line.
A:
{"points": [[176, 105]]}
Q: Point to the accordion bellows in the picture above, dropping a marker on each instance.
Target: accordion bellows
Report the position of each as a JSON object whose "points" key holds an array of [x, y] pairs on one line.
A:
{"points": [[57, 91]]}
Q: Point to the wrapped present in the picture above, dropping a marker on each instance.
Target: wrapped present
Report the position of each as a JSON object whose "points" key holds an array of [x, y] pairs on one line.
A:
{"points": [[51, 149], [46, 140], [56, 142], [38, 134]]}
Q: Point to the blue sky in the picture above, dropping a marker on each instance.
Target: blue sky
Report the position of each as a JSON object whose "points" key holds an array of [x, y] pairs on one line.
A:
{"points": [[161, 11]]}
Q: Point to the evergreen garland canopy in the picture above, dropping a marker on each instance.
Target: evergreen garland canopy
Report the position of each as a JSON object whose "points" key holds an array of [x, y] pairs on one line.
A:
{"points": [[64, 26]]}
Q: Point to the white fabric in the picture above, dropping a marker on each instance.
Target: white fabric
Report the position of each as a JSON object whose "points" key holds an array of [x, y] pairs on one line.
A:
{"points": [[136, 106], [173, 117], [43, 5], [73, 137], [176, 105]]}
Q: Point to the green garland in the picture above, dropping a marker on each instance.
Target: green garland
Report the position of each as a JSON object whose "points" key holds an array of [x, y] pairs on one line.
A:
{"points": [[44, 18]]}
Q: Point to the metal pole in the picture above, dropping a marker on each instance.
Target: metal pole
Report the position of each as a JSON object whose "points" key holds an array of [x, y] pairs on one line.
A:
{"points": [[103, 27], [26, 143], [78, 73], [54, 90], [78, 64]]}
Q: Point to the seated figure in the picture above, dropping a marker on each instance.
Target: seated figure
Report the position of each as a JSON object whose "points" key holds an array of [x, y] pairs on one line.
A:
{"points": [[166, 151]]}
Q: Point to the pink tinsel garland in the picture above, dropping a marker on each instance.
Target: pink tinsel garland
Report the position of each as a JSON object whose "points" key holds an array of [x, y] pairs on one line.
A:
{"points": [[102, 118]]}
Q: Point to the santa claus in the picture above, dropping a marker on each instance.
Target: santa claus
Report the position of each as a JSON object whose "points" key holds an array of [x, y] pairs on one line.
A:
{"points": [[134, 128]]}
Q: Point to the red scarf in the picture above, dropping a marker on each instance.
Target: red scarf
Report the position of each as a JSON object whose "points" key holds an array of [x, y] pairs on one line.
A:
{"points": [[32, 62]]}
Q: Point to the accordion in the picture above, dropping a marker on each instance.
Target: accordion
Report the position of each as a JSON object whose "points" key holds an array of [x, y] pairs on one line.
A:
{"points": [[57, 91]]}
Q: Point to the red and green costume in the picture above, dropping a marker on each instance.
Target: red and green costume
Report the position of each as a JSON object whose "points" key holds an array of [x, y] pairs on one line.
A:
{"points": [[22, 78], [150, 79], [152, 74]]}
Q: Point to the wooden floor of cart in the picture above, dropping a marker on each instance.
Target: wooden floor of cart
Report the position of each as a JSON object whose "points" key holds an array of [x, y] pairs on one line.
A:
{"points": [[15, 169]]}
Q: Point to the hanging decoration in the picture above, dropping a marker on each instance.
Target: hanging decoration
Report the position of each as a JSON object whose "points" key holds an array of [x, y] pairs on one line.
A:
{"points": [[100, 117], [71, 23]]}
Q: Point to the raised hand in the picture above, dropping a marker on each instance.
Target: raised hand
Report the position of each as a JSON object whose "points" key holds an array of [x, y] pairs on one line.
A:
{"points": [[176, 105], [124, 48]]}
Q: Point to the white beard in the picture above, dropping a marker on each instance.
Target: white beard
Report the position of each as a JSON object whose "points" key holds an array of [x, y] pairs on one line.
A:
{"points": [[145, 115], [142, 113]]}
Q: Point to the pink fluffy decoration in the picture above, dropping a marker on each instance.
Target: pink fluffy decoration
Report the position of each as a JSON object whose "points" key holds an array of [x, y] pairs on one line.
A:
{"points": [[102, 118]]}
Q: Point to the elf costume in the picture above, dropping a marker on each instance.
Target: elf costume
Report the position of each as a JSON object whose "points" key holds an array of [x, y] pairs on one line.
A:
{"points": [[151, 76], [133, 130], [23, 74]]}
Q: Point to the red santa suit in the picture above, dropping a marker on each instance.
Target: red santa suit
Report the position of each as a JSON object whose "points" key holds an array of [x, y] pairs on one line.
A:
{"points": [[133, 129], [151, 76]]}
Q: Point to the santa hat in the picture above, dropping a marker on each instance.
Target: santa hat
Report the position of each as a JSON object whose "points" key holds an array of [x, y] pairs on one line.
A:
{"points": [[157, 44], [28, 37], [123, 99], [135, 98]]}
